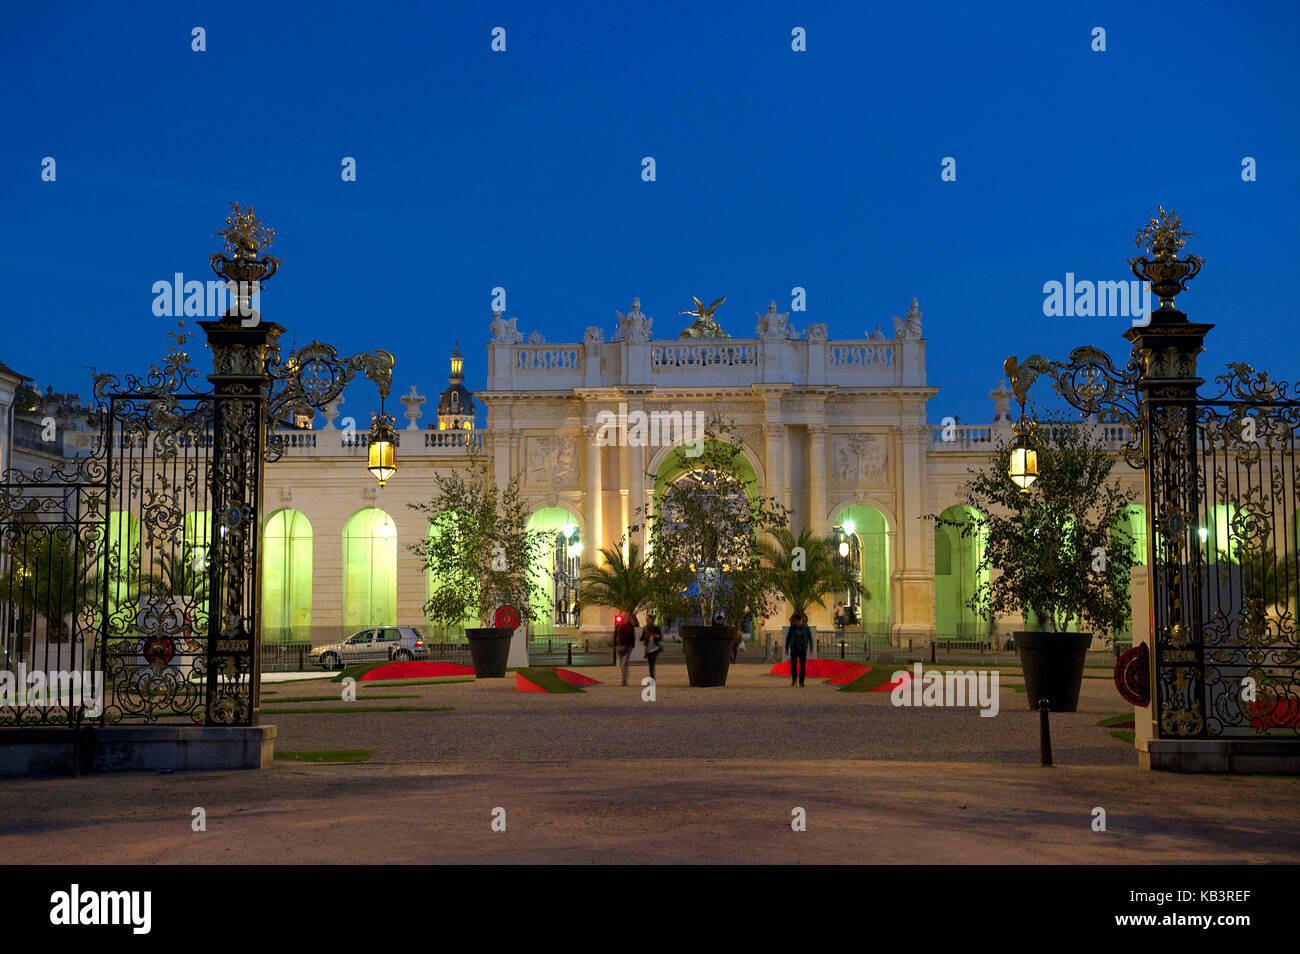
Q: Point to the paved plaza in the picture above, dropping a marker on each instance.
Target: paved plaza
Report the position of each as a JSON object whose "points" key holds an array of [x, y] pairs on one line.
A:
{"points": [[699, 775]]}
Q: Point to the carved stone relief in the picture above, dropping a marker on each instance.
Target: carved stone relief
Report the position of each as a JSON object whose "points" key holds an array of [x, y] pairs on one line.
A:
{"points": [[858, 458], [551, 460]]}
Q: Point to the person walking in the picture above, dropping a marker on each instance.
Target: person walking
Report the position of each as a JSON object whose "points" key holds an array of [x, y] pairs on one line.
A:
{"points": [[797, 640], [625, 642], [654, 642]]}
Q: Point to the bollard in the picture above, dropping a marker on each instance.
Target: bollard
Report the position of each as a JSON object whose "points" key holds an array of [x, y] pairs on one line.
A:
{"points": [[934, 644], [570, 653], [841, 649], [1044, 734], [302, 662]]}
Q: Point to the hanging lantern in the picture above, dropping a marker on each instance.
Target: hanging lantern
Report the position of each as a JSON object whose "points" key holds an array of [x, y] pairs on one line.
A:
{"points": [[382, 457], [1024, 459]]}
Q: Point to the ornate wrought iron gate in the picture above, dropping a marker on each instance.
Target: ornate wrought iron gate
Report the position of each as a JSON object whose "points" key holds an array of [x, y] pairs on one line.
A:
{"points": [[1221, 509], [106, 573], [137, 566], [1232, 567]]}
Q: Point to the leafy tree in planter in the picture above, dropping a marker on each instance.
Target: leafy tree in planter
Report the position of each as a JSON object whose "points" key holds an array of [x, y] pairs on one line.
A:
{"points": [[1055, 543], [807, 578], [479, 551], [706, 535]]}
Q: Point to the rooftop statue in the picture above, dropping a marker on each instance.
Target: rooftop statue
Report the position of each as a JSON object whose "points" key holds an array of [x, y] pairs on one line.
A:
{"points": [[773, 324], [704, 326], [505, 331], [635, 325], [909, 326]]}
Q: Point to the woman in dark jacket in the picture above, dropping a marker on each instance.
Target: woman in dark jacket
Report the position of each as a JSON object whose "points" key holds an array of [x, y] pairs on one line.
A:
{"points": [[624, 643], [653, 640], [798, 638]]}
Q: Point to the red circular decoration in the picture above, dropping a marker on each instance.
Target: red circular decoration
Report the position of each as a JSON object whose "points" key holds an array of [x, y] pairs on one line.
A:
{"points": [[159, 649], [1132, 675], [507, 618]]}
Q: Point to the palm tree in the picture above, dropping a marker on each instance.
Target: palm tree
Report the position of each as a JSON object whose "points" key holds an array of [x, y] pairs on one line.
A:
{"points": [[808, 577], [50, 575], [623, 585], [179, 576]]}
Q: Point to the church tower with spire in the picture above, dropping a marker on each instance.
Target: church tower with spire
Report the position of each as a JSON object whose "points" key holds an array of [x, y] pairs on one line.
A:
{"points": [[456, 406]]}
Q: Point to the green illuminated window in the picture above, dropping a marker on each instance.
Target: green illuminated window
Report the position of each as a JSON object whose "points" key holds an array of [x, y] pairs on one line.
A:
{"points": [[871, 558], [957, 575], [369, 570], [286, 578]]}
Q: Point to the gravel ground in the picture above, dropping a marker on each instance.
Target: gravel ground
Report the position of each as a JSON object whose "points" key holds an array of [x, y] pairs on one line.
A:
{"points": [[756, 716], [706, 775]]}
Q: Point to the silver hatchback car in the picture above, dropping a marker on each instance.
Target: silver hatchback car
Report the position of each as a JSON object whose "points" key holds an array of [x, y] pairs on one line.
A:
{"points": [[395, 643]]}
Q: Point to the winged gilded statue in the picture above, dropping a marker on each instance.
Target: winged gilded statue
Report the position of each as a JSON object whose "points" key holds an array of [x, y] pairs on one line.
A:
{"points": [[704, 326]]}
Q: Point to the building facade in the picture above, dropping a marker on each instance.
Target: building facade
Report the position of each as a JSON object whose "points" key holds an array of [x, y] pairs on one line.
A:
{"points": [[833, 428]]}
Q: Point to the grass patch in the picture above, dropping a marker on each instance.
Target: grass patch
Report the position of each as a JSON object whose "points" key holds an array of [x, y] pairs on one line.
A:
{"points": [[1116, 720], [1125, 734], [357, 671], [337, 698], [870, 680], [403, 683], [548, 680], [290, 682], [353, 707], [1017, 686], [331, 755]]}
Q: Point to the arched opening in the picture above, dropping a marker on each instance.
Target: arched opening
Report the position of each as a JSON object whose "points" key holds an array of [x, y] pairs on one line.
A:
{"points": [[286, 578], [559, 569], [119, 568], [1220, 535], [369, 570], [711, 554], [669, 471], [957, 574], [865, 531], [1133, 530]]}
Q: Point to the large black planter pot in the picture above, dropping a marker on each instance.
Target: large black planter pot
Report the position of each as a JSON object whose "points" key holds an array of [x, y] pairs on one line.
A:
{"points": [[708, 653], [1053, 665], [490, 650]]}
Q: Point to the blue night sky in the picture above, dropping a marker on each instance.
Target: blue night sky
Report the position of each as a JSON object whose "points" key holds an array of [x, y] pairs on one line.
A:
{"points": [[522, 169]]}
